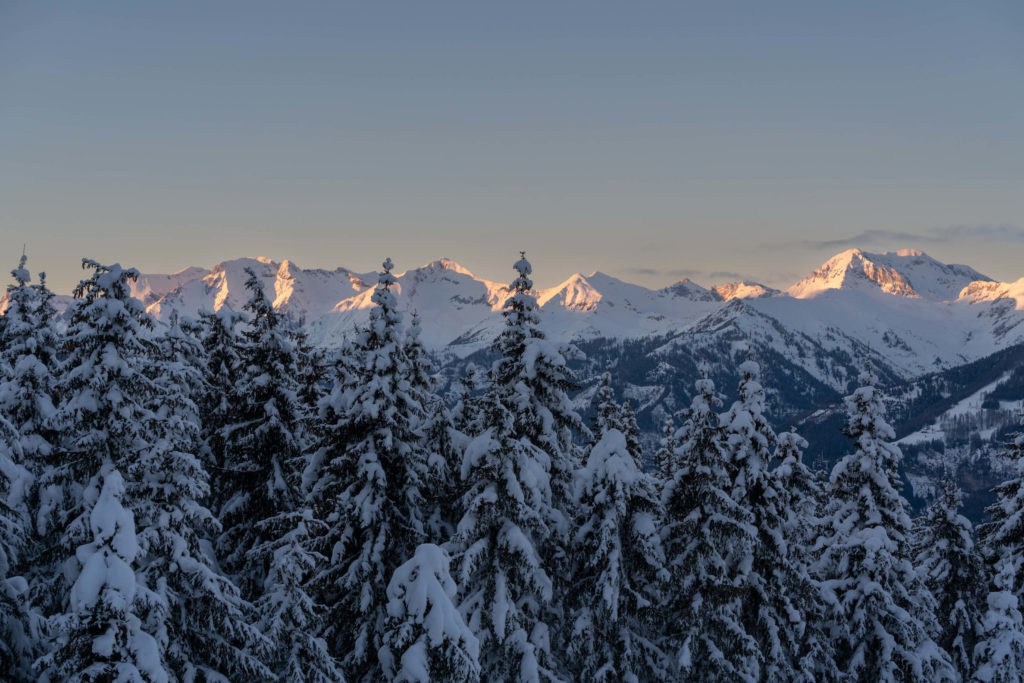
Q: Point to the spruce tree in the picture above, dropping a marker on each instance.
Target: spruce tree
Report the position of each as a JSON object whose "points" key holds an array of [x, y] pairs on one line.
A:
{"points": [[778, 594], [426, 638], [882, 614], [665, 458], [101, 637], [799, 492], [221, 367], [513, 532], [949, 563], [204, 628], [27, 360], [262, 446], [442, 444], [290, 616], [999, 654], [708, 542], [104, 416], [617, 588], [369, 482], [19, 639], [28, 356]]}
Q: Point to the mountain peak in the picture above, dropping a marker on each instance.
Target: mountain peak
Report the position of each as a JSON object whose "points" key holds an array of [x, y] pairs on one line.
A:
{"points": [[744, 290], [907, 273]]}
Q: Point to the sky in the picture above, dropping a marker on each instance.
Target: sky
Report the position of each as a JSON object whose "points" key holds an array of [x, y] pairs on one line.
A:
{"points": [[649, 140]]}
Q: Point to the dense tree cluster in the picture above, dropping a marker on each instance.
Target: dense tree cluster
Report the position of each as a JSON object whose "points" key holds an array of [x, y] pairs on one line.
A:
{"points": [[213, 499]]}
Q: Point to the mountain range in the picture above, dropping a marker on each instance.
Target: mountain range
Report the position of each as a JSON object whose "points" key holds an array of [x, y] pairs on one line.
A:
{"points": [[906, 311], [945, 340]]}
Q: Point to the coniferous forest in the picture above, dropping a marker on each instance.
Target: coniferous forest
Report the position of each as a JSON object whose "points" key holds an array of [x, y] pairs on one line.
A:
{"points": [[215, 499]]}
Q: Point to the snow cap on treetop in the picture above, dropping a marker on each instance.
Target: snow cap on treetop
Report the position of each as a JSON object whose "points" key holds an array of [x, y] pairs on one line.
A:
{"points": [[523, 266], [20, 273]]}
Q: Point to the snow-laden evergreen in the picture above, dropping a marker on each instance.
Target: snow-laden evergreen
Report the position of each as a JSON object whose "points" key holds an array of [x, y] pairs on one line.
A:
{"points": [[262, 445], [665, 463], [101, 636], [882, 615], [204, 628], [800, 493], [616, 597], [104, 416], [512, 535], [370, 478], [802, 489], [441, 442], [19, 639], [426, 638], [27, 359], [708, 540], [289, 616], [221, 366], [947, 559], [1000, 652], [779, 597], [609, 414]]}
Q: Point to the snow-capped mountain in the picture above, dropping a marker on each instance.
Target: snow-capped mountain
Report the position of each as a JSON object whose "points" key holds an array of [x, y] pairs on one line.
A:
{"points": [[909, 312], [908, 272]]}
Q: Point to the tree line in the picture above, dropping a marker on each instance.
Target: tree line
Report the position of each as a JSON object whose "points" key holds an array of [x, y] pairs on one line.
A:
{"points": [[215, 499]]}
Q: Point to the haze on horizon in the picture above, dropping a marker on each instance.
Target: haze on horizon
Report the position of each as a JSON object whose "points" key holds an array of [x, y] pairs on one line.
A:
{"points": [[651, 141]]}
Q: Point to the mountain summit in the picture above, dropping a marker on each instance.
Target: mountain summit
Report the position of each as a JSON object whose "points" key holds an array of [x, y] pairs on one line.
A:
{"points": [[907, 272]]}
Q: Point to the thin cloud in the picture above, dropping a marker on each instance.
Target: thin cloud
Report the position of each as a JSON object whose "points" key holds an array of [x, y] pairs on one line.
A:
{"points": [[728, 274], [685, 272], [954, 234], [666, 272], [861, 239]]}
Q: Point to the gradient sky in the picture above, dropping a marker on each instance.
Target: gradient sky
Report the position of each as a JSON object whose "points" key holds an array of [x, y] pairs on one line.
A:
{"points": [[649, 140]]}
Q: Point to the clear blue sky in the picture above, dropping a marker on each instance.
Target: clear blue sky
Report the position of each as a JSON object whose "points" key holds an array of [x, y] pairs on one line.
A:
{"points": [[648, 140]]}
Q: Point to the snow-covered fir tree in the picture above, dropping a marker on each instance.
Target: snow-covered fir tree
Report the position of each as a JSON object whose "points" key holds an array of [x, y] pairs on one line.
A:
{"points": [[606, 409], [802, 489], [204, 628], [708, 541], [665, 457], [999, 655], [882, 615], [617, 588], [290, 617], [778, 593], [441, 442], [631, 430], [27, 359], [19, 638], [611, 415], [221, 367], [466, 401], [426, 638], [800, 494], [512, 536], [262, 444], [101, 638], [951, 566], [370, 479], [104, 416]]}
